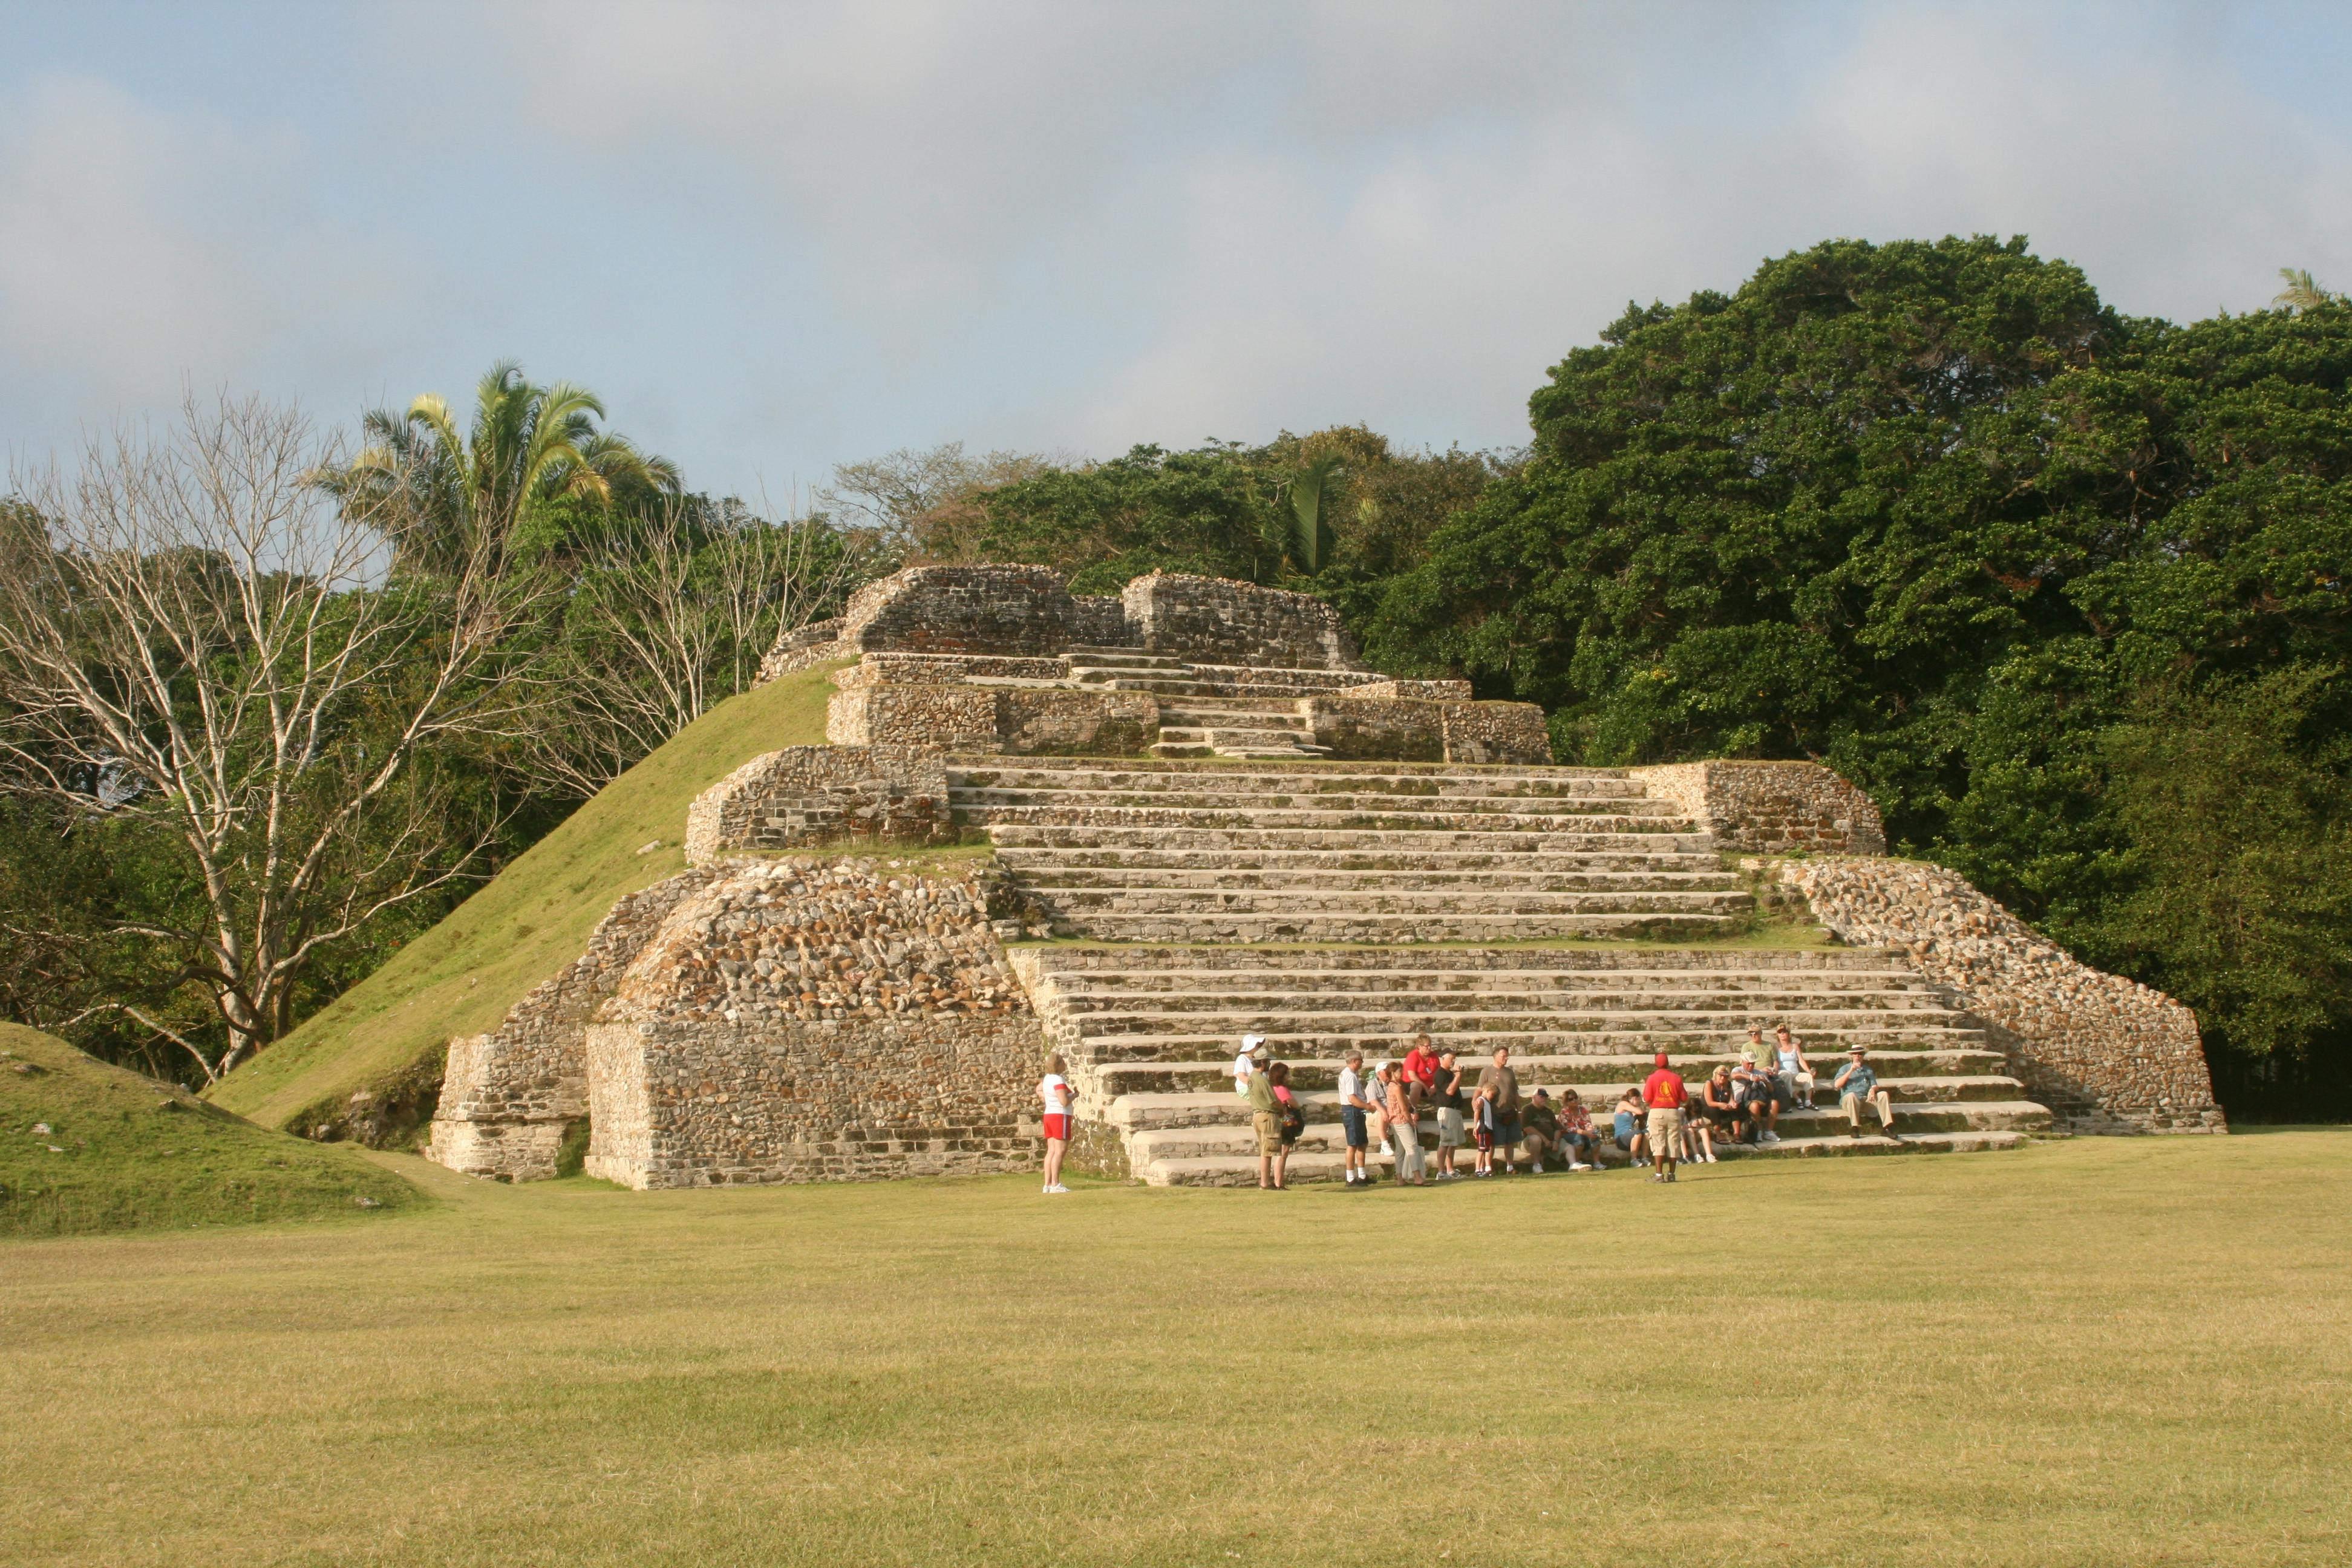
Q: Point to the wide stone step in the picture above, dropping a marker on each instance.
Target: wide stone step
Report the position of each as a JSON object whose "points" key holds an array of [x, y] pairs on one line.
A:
{"points": [[1322, 779], [1033, 863], [1337, 927], [1065, 808], [1016, 830], [1149, 1048], [1086, 903], [1322, 1166], [1071, 878], [1151, 1144], [1591, 1075], [1221, 1107], [969, 764], [1268, 796], [1890, 966], [1542, 972], [1579, 996]]}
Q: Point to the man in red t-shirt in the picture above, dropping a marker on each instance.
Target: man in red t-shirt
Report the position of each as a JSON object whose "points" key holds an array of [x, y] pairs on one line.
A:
{"points": [[1421, 1071], [1664, 1093]]}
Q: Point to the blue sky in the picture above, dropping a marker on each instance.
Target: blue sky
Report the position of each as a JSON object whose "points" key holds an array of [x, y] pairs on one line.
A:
{"points": [[776, 237]]}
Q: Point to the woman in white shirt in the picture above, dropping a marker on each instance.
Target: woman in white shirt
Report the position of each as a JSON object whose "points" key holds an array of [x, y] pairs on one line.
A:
{"points": [[1055, 1091]]}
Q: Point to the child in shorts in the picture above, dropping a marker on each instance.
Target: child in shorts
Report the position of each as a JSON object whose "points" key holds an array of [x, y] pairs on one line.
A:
{"points": [[1482, 1130]]}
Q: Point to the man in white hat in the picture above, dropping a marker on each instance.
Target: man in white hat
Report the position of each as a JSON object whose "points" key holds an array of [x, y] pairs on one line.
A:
{"points": [[1856, 1085], [1246, 1064]]}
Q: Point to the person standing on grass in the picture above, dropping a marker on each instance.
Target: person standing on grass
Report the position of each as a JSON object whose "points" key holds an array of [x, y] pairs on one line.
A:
{"points": [[1054, 1089], [1355, 1113], [1796, 1073], [1482, 1130], [1450, 1136], [1664, 1094], [1294, 1120], [1502, 1086], [1856, 1087], [1404, 1125], [1265, 1121]]}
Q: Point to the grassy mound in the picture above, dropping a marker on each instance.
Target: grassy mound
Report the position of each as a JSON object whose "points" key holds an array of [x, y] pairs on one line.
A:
{"points": [[384, 1039], [88, 1147]]}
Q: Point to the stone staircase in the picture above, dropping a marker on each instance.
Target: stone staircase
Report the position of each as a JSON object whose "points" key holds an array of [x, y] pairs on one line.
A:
{"points": [[1176, 851], [1149, 1033], [1212, 711]]}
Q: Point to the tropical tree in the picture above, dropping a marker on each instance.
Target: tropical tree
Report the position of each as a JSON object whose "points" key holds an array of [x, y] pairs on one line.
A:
{"points": [[2302, 291], [529, 458]]}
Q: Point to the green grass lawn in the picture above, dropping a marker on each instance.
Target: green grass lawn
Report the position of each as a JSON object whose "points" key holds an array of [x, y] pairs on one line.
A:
{"points": [[385, 1035], [86, 1146], [2100, 1352]]}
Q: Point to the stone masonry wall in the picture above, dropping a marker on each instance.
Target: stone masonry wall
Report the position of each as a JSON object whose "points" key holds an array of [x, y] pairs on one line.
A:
{"points": [[1770, 808], [1022, 720], [1413, 729], [811, 645], [962, 609], [509, 1097], [1215, 620], [2104, 1053], [806, 796], [801, 1020]]}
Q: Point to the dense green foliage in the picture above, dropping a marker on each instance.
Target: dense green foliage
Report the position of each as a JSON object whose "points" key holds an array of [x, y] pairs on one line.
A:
{"points": [[2045, 579]]}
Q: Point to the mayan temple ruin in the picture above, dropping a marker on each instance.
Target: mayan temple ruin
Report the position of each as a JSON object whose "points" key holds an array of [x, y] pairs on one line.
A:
{"points": [[1189, 811]]}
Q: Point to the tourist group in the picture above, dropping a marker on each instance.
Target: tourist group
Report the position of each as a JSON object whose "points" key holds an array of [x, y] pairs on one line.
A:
{"points": [[1662, 1122]]}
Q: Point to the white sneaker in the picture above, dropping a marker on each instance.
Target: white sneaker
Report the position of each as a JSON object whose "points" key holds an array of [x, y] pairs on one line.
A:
{"points": [[1057, 1187], [1771, 1137], [1580, 1167]]}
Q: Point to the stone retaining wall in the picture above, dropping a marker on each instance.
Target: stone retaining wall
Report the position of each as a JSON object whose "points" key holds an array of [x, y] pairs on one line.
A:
{"points": [[1771, 808], [814, 644], [509, 1097], [1216, 620], [2104, 1053], [1391, 729], [806, 1021], [1020, 720], [802, 797]]}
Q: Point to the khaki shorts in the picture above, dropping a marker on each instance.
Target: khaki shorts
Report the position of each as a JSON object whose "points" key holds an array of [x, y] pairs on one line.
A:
{"points": [[1269, 1132], [1665, 1126]]}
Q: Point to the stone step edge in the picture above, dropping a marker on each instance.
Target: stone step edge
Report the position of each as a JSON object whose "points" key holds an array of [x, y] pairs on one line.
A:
{"points": [[1319, 1167]]}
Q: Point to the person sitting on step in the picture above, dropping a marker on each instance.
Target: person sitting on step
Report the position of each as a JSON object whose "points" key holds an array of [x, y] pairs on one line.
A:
{"points": [[1698, 1142], [1578, 1139], [1796, 1073], [1856, 1087], [1759, 1094], [1421, 1072], [1538, 1130], [1718, 1105], [1629, 1121]]}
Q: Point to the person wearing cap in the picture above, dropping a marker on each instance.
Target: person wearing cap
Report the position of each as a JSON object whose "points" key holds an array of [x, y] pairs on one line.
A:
{"points": [[1246, 1064], [1539, 1129], [1758, 1093], [1664, 1094], [1856, 1087], [1265, 1121], [1354, 1113], [1403, 1125]]}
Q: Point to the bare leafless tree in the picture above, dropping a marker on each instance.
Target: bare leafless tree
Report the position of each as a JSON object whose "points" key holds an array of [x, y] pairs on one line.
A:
{"points": [[921, 504], [671, 615], [208, 640]]}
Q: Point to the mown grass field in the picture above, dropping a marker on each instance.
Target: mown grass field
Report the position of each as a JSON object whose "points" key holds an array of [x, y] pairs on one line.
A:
{"points": [[2100, 1352]]}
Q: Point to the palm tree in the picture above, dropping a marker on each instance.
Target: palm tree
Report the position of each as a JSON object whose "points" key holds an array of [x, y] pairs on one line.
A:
{"points": [[530, 448], [2301, 292]]}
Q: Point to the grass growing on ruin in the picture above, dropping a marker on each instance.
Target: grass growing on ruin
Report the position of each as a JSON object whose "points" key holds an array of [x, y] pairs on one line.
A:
{"points": [[86, 1147], [2092, 1352], [461, 976]]}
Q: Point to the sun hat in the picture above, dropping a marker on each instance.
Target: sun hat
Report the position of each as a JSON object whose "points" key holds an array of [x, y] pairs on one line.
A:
{"points": [[1748, 1056]]}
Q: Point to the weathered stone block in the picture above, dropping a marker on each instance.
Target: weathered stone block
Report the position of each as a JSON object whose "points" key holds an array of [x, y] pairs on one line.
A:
{"points": [[1076, 723], [805, 796], [1771, 808], [1510, 732], [1215, 620], [954, 718]]}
